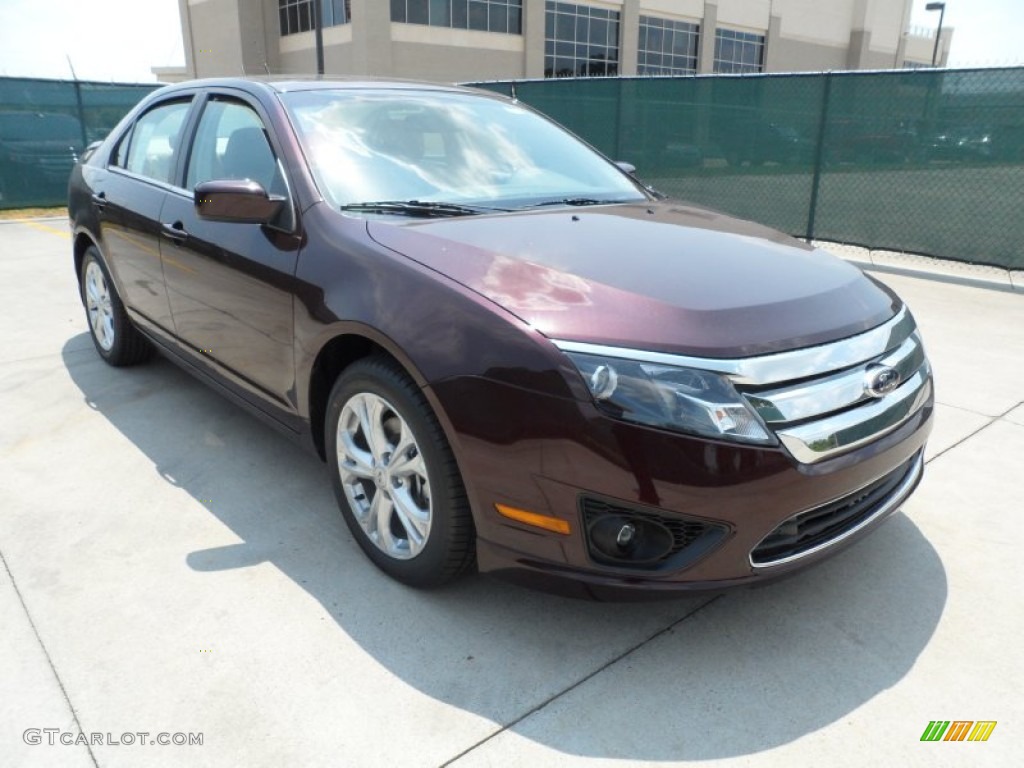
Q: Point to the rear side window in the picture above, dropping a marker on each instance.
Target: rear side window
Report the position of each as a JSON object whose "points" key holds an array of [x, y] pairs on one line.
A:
{"points": [[154, 141]]}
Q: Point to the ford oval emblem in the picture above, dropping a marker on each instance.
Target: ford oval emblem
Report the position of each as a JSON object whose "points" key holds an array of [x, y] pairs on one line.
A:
{"points": [[880, 380]]}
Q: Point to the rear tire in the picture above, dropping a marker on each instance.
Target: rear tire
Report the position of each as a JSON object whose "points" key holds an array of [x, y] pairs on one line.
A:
{"points": [[395, 477], [118, 342]]}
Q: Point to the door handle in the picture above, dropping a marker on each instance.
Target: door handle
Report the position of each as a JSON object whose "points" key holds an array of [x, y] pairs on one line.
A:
{"points": [[175, 232], [99, 199]]}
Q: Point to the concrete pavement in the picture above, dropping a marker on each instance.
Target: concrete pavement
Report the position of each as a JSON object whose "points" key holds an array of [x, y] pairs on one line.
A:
{"points": [[171, 566]]}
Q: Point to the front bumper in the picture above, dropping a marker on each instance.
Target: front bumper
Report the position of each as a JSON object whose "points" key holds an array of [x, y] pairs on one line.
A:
{"points": [[568, 451]]}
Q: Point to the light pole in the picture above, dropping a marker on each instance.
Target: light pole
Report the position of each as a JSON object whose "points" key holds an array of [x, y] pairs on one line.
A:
{"points": [[318, 35], [941, 7]]}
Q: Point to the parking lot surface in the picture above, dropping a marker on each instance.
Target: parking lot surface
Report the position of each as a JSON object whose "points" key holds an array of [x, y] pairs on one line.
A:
{"points": [[173, 567]]}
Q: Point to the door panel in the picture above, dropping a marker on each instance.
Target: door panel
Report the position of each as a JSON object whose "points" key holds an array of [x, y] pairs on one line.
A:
{"points": [[230, 284], [128, 217], [130, 199]]}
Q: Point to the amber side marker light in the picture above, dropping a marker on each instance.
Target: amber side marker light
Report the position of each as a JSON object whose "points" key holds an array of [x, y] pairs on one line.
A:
{"points": [[546, 522]]}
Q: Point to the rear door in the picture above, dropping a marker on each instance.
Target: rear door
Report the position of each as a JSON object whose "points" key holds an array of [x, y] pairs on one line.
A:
{"points": [[129, 196], [230, 284]]}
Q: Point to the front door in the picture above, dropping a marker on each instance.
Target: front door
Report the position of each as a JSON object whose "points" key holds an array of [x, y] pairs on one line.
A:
{"points": [[229, 283]]}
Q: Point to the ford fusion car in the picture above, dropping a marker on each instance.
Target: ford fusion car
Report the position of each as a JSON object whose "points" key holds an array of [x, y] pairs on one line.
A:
{"points": [[511, 355]]}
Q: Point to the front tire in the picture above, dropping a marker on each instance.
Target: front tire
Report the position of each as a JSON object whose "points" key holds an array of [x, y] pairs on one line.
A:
{"points": [[395, 477], [116, 339]]}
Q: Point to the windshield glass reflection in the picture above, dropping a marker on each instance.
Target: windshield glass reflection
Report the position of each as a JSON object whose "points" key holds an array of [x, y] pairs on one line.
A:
{"points": [[390, 145]]}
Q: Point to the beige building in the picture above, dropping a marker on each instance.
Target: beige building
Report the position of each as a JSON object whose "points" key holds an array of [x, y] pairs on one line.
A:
{"points": [[459, 40]]}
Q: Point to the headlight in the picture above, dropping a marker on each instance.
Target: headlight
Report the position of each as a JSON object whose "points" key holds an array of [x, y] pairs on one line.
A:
{"points": [[682, 399]]}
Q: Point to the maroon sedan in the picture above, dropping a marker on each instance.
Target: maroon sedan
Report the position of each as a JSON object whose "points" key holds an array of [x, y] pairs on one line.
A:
{"points": [[509, 352]]}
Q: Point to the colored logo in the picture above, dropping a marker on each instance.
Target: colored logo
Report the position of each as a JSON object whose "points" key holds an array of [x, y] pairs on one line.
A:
{"points": [[958, 730]]}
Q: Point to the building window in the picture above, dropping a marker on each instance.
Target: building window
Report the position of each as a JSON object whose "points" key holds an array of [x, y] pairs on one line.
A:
{"points": [[484, 15], [667, 47], [580, 41], [738, 51], [297, 15]]}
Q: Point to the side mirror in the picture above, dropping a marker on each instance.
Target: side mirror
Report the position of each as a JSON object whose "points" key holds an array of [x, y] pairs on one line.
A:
{"points": [[627, 167], [236, 200]]}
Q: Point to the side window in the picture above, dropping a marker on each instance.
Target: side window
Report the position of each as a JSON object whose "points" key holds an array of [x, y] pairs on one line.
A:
{"points": [[154, 140], [231, 143]]}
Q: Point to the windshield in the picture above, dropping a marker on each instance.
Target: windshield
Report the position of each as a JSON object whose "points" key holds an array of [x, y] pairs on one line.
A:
{"points": [[366, 145]]}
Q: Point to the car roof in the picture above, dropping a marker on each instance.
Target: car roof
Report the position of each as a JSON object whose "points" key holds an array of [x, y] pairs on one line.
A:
{"points": [[280, 84]]}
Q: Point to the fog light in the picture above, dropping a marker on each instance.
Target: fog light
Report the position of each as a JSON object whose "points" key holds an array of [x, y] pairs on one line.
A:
{"points": [[619, 539]]}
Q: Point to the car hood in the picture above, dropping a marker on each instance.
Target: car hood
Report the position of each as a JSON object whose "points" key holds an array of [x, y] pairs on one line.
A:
{"points": [[659, 276]]}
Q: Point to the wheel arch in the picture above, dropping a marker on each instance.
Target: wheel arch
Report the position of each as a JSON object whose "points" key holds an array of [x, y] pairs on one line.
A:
{"points": [[346, 346], [82, 242]]}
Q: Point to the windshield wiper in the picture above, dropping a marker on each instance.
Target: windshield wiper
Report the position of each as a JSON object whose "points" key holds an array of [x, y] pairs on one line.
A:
{"points": [[575, 201], [425, 208]]}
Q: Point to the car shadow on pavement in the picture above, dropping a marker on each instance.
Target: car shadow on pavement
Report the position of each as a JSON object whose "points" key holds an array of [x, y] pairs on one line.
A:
{"points": [[745, 672]]}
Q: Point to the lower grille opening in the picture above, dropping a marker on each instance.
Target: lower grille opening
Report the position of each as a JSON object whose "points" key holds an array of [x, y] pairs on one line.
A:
{"points": [[632, 537], [818, 526]]}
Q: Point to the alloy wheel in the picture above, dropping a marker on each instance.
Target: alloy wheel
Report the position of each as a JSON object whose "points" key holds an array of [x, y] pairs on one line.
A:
{"points": [[99, 306], [384, 476]]}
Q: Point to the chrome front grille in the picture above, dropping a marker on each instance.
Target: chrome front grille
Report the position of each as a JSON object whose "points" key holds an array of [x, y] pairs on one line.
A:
{"points": [[829, 412], [834, 392]]}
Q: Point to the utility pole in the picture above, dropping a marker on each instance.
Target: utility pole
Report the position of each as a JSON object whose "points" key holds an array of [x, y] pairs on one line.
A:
{"points": [[318, 33]]}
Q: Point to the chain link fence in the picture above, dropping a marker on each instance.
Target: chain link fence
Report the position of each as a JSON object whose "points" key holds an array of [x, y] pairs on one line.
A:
{"points": [[45, 125], [921, 161]]}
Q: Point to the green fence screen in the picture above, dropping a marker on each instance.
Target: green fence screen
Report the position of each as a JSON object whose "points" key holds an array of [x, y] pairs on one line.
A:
{"points": [[922, 161], [45, 125]]}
